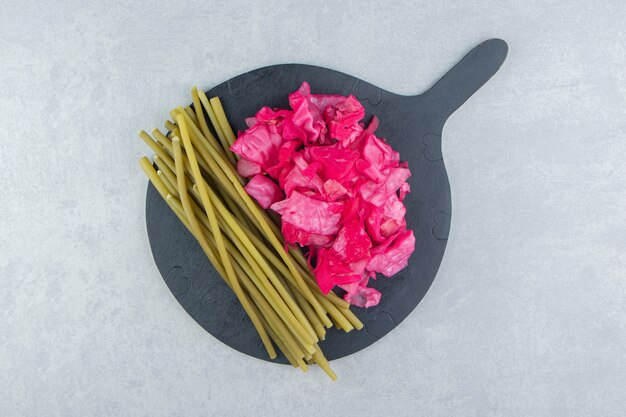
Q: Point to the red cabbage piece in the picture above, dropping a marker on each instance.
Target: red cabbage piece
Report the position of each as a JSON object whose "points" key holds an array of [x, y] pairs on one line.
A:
{"points": [[272, 117], [309, 214], [385, 221], [305, 123], [259, 144], [264, 190], [377, 194], [352, 242], [405, 188], [379, 153], [391, 258], [247, 168], [335, 162], [300, 176], [361, 295], [293, 234], [333, 190], [343, 120], [331, 270]]}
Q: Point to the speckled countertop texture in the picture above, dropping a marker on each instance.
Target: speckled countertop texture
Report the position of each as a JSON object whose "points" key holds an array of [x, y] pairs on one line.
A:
{"points": [[527, 314]]}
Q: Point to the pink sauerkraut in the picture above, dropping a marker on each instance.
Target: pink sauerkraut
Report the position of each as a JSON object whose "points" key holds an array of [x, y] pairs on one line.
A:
{"points": [[337, 187]]}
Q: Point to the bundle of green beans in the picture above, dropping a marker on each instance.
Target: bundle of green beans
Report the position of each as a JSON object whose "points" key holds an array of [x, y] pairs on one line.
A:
{"points": [[196, 176]]}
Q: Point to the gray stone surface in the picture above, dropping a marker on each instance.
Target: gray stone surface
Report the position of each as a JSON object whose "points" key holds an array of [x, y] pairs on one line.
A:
{"points": [[526, 316]]}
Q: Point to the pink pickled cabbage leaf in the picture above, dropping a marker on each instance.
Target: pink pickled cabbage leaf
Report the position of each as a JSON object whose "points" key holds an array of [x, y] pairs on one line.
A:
{"points": [[264, 190], [352, 242], [259, 144], [391, 258], [309, 214], [332, 270], [333, 190], [387, 220], [335, 162], [360, 295], [294, 234], [247, 168]]}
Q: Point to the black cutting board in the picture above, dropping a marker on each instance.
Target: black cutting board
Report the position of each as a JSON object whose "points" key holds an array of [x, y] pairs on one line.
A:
{"points": [[411, 124]]}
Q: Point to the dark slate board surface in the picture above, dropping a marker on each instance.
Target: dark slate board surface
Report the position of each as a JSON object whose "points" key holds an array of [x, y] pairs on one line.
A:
{"points": [[411, 124]]}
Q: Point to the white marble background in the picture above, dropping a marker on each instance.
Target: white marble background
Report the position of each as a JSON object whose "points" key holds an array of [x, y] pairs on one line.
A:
{"points": [[527, 314]]}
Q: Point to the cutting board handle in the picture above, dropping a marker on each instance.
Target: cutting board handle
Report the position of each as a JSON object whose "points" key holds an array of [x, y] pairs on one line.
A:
{"points": [[466, 77]]}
